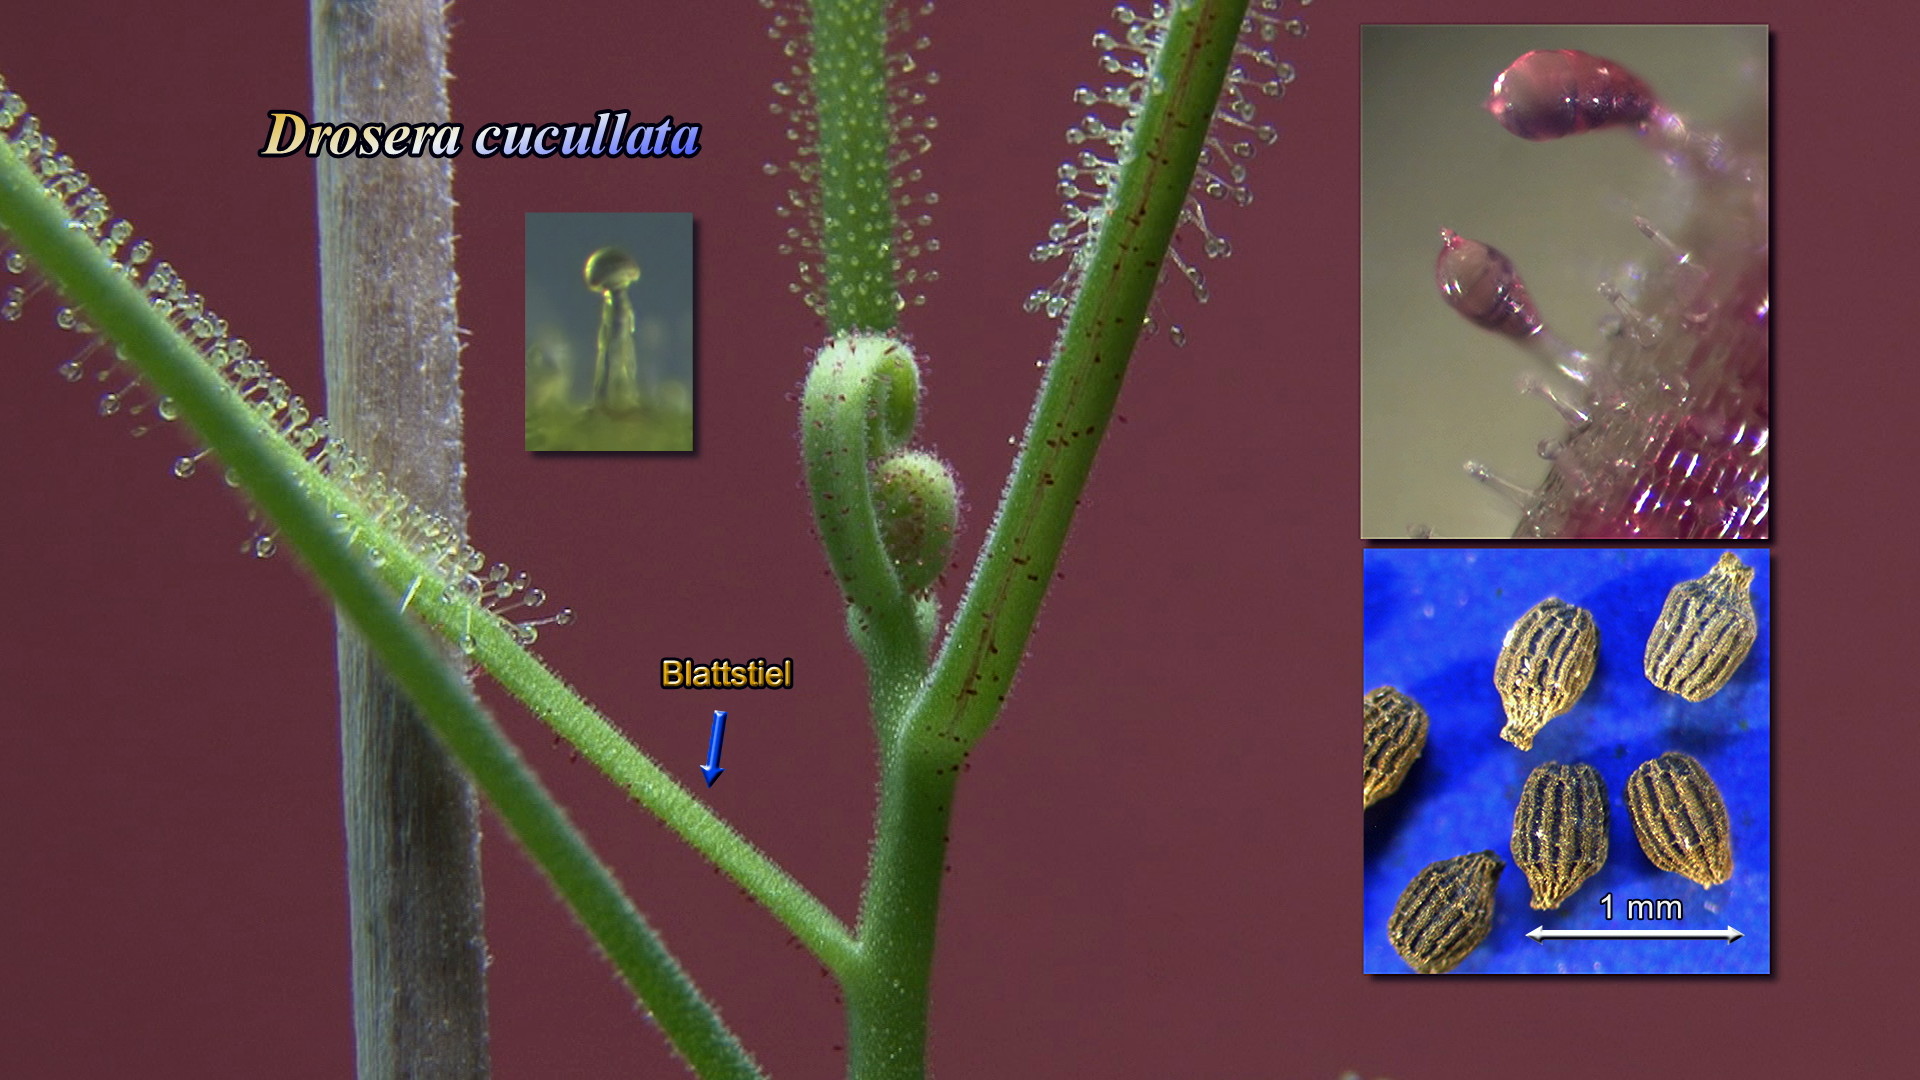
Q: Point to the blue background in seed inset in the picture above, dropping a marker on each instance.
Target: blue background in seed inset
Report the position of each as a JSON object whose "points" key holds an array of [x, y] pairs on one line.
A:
{"points": [[1434, 623]]}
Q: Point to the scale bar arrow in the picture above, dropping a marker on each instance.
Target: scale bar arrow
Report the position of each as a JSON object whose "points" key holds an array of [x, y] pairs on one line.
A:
{"points": [[1729, 935], [712, 769]]}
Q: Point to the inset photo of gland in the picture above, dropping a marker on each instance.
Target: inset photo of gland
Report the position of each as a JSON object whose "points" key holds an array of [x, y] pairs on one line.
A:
{"points": [[1568, 761], [1564, 282], [610, 332]]}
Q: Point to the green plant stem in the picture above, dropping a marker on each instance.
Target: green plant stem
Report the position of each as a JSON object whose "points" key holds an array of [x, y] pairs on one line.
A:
{"points": [[988, 638], [856, 148], [311, 513], [281, 480], [887, 1001], [393, 390], [816, 927], [887, 996]]}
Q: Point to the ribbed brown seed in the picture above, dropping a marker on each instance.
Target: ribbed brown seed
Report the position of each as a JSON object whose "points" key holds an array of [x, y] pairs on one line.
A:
{"points": [[1680, 818], [1544, 666], [1396, 734], [1445, 912], [1560, 830], [1704, 632]]}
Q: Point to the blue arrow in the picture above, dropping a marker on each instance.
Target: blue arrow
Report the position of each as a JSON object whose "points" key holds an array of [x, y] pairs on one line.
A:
{"points": [[712, 768]]}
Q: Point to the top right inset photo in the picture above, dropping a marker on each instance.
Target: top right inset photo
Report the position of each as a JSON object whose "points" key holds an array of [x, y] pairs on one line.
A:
{"points": [[1565, 288]]}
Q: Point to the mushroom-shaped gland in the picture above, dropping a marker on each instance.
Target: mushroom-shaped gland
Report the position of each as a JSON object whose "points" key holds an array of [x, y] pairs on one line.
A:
{"points": [[611, 268], [1481, 284], [616, 365], [1552, 93]]}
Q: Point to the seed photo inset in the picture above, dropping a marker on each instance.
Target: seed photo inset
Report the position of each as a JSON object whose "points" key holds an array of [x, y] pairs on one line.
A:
{"points": [[1635, 812]]}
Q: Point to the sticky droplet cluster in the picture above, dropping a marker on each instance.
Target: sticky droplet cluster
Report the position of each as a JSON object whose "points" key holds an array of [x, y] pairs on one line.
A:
{"points": [[1101, 141], [901, 183], [455, 568]]}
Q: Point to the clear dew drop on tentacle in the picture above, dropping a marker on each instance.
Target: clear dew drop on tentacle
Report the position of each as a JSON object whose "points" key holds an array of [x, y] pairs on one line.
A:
{"points": [[431, 539], [1101, 140]]}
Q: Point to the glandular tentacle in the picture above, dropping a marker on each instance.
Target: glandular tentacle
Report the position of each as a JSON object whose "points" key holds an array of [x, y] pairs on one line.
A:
{"points": [[910, 125], [1480, 283], [1672, 436], [362, 499], [1101, 141]]}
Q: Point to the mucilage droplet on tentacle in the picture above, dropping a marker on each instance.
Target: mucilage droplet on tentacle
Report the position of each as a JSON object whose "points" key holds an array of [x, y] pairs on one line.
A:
{"points": [[1673, 437]]}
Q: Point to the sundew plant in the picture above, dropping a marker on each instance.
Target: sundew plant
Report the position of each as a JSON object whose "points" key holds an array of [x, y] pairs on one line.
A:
{"points": [[1174, 106]]}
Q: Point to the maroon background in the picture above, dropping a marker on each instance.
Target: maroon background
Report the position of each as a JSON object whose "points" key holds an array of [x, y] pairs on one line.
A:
{"points": [[1155, 866]]}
